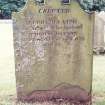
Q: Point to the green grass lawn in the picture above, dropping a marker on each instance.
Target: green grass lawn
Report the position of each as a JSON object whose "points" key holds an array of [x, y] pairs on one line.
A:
{"points": [[99, 80]]}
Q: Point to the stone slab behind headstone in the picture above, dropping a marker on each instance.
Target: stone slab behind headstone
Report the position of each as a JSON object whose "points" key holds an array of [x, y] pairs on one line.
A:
{"points": [[99, 43], [53, 48]]}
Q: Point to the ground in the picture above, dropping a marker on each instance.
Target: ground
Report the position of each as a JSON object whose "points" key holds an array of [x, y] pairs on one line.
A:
{"points": [[99, 80]]}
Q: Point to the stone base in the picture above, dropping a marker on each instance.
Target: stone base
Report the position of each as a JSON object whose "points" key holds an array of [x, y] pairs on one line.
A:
{"points": [[74, 95]]}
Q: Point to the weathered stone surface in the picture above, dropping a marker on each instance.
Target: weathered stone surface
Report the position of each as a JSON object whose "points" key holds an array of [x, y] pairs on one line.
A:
{"points": [[53, 45], [63, 93]]}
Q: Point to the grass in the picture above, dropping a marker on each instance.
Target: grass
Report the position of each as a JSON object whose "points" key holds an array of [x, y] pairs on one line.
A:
{"points": [[101, 103], [99, 74], [99, 80]]}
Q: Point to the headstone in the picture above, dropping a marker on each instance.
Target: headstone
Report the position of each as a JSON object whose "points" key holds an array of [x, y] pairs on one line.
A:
{"points": [[99, 43], [53, 52]]}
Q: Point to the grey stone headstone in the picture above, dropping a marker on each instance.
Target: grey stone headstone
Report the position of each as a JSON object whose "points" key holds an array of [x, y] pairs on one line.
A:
{"points": [[53, 52]]}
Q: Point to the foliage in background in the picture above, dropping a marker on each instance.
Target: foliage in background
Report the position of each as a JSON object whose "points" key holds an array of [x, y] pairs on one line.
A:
{"points": [[9, 6], [93, 5]]}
